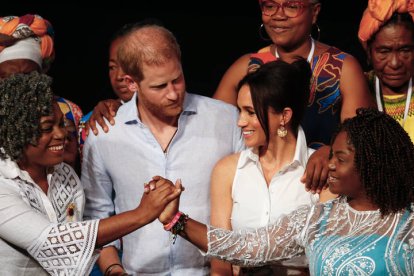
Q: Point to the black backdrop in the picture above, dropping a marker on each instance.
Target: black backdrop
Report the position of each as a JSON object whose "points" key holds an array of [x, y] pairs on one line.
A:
{"points": [[212, 34]]}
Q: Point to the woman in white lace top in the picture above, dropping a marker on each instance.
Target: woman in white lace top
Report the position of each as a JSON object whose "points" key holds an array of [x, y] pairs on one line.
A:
{"points": [[369, 230], [41, 198]]}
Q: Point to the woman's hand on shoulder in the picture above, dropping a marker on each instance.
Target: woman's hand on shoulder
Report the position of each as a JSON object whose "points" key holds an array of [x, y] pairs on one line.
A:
{"points": [[316, 172], [104, 109]]}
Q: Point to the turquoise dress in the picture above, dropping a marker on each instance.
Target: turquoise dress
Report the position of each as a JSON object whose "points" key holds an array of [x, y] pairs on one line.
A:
{"points": [[337, 240]]}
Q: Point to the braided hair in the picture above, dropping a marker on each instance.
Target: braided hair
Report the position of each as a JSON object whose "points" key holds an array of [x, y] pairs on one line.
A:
{"points": [[384, 158], [24, 98]]}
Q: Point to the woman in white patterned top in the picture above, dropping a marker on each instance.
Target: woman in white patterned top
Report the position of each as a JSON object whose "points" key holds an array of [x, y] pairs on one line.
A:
{"points": [[41, 198], [368, 230]]}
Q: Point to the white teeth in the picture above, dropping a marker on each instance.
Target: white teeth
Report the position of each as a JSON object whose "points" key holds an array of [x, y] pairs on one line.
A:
{"points": [[56, 148], [331, 179], [247, 132]]}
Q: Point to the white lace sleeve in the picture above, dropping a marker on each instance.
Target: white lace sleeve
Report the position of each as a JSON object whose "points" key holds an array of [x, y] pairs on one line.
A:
{"points": [[67, 249], [261, 246]]}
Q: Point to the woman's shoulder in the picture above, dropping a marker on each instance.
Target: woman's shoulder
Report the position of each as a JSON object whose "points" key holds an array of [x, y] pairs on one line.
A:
{"points": [[229, 161], [322, 48]]}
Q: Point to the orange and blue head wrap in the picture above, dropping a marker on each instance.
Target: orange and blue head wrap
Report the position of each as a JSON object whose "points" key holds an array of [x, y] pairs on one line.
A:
{"points": [[377, 14]]}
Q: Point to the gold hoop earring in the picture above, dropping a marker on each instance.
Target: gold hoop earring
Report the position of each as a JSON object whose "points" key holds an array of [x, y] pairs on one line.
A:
{"points": [[318, 30], [264, 37], [282, 131]]}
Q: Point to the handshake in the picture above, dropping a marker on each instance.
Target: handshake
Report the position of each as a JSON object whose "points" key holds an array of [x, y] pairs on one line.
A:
{"points": [[161, 200]]}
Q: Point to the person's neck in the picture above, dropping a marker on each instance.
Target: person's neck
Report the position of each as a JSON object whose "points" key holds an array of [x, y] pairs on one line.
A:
{"points": [[291, 54], [155, 121], [362, 203], [163, 128], [37, 173], [388, 90], [278, 153]]}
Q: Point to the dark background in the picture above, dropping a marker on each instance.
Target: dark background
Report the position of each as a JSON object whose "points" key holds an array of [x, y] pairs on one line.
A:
{"points": [[212, 35]]}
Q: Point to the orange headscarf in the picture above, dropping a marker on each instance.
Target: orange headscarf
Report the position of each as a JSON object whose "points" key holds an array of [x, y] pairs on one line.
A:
{"points": [[29, 25], [377, 13]]}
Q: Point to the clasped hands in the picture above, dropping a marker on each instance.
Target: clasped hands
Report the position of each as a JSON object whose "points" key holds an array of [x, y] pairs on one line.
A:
{"points": [[161, 198]]}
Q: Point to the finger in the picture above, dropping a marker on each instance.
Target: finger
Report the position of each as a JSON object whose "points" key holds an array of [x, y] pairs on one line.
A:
{"points": [[303, 177], [112, 108], [156, 177], [309, 175], [175, 194], [161, 185], [102, 123], [316, 177], [105, 112], [323, 179], [146, 188], [179, 185], [92, 125], [86, 129]]}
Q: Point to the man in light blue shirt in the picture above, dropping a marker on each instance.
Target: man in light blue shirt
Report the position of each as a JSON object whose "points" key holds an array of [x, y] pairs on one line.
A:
{"points": [[162, 131]]}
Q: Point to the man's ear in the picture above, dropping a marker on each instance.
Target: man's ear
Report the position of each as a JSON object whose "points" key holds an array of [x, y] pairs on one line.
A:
{"points": [[131, 83]]}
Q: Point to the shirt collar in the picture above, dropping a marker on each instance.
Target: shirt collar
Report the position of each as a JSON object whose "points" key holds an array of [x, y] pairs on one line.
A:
{"points": [[300, 157], [132, 113], [10, 170]]}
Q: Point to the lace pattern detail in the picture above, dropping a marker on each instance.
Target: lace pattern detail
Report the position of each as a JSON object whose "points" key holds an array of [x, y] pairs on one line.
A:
{"points": [[251, 248], [64, 194], [337, 239], [29, 195], [66, 249]]}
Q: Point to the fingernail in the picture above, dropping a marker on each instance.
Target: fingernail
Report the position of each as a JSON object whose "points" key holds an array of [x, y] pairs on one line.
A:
{"points": [[152, 187], [112, 122]]}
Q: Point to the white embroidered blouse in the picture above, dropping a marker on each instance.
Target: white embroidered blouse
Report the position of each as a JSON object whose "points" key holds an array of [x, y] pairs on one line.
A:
{"points": [[42, 234], [337, 240]]}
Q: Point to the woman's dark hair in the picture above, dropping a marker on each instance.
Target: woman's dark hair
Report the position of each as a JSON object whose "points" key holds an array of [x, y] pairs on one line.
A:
{"points": [[403, 19], [384, 158], [278, 85], [24, 98]]}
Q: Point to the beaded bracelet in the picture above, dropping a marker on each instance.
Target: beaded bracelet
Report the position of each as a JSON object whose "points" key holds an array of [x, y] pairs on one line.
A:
{"points": [[177, 225], [171, 224]]}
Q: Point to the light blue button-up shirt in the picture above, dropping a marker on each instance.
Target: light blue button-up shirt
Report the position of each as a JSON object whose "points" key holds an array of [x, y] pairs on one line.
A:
{"points": [[118, 163]]}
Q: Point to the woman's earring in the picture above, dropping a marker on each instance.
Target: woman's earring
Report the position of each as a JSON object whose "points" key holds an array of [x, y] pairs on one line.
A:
{"points": [[281, 131], [318, 30], [262, 31]]}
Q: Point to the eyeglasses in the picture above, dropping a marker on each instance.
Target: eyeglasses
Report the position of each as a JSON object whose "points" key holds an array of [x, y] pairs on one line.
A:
{"points": [[291, 8]]}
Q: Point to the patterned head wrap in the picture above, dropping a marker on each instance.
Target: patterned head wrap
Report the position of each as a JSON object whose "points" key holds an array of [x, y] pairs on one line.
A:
{"points": [[377, 13], [71, 111], [14, 28]]}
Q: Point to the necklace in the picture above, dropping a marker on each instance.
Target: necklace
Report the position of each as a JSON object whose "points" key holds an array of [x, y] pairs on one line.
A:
{"points": [[407, 100], [310, 55], [169, 142]]}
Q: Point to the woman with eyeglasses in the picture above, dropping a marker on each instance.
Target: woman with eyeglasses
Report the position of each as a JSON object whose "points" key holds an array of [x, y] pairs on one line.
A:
{"points": [[338, 86]]}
